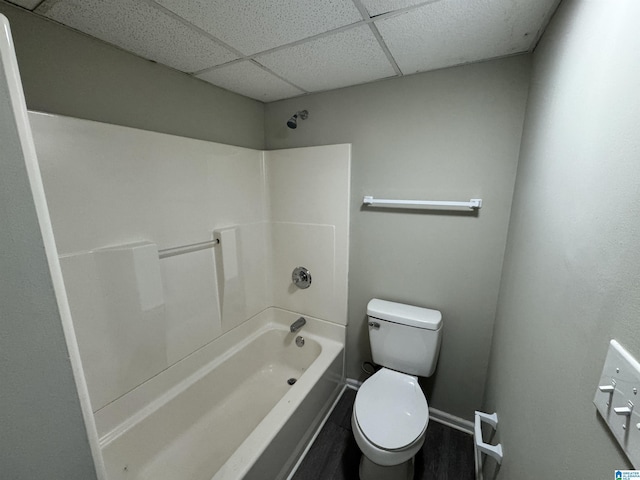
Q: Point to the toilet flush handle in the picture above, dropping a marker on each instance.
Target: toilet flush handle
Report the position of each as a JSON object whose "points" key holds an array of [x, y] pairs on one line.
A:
{"points": [[375, 325]]}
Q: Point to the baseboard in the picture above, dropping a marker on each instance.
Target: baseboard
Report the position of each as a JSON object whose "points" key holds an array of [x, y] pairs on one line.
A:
{"points": [[452, 421], [353, 383]]}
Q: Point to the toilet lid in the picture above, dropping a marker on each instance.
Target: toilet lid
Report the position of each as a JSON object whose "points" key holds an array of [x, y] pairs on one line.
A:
{"points": [[391, 409]]}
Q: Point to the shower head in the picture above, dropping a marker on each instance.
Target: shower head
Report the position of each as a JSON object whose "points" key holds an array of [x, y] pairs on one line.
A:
{"points": [[293, 121]]}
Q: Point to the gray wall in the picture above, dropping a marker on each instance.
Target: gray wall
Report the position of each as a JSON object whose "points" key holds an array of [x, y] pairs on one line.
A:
{"points": [[42, 432], [68, 73], [570, 280], [452, 134]]}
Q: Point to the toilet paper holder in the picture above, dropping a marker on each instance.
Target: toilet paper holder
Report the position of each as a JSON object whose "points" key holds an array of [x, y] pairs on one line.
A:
{"points": [[494, 451]]}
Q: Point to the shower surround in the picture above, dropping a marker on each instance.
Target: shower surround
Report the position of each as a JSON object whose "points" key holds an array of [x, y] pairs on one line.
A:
{"points": [[118, 197]]}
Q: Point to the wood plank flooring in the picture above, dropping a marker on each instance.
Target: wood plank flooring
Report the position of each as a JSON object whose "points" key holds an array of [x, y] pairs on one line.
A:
{"points": [[447, 453]]}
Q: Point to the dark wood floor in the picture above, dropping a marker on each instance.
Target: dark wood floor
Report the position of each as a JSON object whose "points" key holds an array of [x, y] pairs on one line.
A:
{"points": [[447, 453]]}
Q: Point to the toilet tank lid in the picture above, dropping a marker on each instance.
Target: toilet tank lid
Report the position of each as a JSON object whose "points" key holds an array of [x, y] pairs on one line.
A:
{"points": [[405, 314]]}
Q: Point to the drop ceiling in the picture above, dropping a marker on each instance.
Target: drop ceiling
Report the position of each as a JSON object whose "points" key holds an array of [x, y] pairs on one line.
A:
{"points": [[275, 49]]}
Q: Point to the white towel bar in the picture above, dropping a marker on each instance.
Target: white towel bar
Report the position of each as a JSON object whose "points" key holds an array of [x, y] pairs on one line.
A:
{"points": [[381, 202], [173, 251]]}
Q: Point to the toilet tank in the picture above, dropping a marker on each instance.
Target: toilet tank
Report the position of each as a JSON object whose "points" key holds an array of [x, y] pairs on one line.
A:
{"points": [[404, 337]]}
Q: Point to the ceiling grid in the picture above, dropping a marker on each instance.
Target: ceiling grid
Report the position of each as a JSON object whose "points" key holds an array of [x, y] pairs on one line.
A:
{"points": [[275, 49]]}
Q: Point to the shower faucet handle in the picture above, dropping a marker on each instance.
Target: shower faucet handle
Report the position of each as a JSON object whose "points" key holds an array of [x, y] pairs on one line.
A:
{"points": [[301, 277]]}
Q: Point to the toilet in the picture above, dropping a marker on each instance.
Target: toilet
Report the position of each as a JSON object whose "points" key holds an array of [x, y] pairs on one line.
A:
{"points": [[390, 413]]}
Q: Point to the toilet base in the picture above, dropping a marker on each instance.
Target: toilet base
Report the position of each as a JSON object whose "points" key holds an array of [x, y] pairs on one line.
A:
{"points": [[372, 471]]}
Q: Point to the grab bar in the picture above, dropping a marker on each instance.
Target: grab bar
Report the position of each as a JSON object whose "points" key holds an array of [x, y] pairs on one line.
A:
{"points": [[382, 202], [194, 247]]}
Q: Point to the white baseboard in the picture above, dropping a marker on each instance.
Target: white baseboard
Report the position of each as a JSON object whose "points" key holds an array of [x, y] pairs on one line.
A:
{"points": [[452, 421], [462, 425], [353, 383]]}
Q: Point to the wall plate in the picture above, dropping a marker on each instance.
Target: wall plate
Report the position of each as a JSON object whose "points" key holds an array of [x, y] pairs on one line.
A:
{"points": [[618, 399]]}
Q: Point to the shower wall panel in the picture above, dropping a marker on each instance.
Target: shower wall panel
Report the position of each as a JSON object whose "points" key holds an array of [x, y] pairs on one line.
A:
{"points": [[119, 196], [109, 188]]}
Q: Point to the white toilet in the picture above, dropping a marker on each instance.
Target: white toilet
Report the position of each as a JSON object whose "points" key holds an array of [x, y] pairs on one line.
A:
{"points": [[390, 414]]}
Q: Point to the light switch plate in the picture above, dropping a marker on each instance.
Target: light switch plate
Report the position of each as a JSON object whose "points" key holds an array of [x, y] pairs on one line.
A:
{"points": [[622, 372]]}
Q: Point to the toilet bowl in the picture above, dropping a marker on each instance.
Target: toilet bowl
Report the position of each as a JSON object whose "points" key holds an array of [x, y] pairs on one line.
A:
{"points": [[389, 422]]}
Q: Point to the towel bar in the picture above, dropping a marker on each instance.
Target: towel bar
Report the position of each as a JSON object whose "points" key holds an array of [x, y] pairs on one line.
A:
{"points": [[173, 251], [381, 202]]}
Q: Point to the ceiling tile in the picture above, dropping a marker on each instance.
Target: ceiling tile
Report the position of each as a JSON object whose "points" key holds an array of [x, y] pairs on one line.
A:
{"points": [[142, 29], [30, 4], [250, 80], [378, 7], [453, 32], [347, 58], [252, 26]]}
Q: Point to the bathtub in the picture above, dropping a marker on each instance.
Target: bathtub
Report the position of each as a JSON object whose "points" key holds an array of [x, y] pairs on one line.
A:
{"points": [[228, 411]]}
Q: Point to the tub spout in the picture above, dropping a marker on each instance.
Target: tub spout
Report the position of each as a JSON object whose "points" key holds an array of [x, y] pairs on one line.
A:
{"points": [[298, 324]]}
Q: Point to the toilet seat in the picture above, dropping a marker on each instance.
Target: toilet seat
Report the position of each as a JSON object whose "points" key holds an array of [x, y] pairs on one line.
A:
{"points": [[391, 410]]}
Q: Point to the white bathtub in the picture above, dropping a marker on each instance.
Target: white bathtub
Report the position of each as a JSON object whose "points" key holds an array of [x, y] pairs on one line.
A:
{"points": [[227, 411]]}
